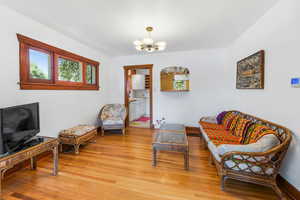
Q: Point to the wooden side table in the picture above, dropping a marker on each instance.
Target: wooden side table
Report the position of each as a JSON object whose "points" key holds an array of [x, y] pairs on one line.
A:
{"points": [[48, 144]]}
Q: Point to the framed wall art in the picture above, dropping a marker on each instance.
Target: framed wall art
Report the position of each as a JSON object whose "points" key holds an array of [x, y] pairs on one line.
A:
{"points": [[250, 72]]}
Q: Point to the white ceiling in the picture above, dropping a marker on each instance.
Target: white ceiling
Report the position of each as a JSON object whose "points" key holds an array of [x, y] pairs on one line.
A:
{"points": [[112, 25]]}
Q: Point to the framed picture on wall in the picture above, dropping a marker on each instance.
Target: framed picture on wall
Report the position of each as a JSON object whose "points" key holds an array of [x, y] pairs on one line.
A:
{"points": [[251, 71]]}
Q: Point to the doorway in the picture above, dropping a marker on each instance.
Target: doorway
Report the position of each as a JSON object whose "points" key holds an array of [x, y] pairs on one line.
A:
{"points": [[138, 95]]}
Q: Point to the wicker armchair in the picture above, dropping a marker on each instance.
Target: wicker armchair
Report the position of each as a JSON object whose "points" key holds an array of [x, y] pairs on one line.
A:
{"points": [[256, 167], [112, 117]]}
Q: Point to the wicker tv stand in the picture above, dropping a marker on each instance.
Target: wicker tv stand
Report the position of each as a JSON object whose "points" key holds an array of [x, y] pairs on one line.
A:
{"points": [[48, 144]]}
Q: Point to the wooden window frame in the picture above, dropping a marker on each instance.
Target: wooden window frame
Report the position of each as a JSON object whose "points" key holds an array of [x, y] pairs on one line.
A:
{"points": [[27, 83]]}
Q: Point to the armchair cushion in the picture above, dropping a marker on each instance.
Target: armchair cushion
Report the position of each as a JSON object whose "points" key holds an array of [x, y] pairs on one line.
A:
{"points": [[113, 111], [112, 122]]}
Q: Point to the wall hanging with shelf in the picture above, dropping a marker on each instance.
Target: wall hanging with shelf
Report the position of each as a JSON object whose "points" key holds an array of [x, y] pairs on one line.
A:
{"points": [[174, 79]]}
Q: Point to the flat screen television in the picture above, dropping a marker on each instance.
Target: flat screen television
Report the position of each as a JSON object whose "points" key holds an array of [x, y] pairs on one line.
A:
{"points": [[18, 125]]}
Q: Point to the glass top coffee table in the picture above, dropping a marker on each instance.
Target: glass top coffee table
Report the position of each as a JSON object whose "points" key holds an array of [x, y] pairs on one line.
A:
{"points": [[171, 137]]}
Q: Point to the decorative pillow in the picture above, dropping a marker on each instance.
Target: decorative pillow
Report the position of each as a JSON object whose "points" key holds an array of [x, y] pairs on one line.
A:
{"points": [[220, 117], [232, 124], [265, 132], [248, 133], [241, 127], [227, 119], [254, 132]]}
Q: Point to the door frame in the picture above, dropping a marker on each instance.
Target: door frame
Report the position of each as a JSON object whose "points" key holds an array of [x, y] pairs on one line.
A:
{"points": [[126, 96]]}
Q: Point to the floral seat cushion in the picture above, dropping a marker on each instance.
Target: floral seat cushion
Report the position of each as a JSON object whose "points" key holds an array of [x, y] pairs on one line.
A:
{"points": [[112, 117], [113, 112], [77, 130]]}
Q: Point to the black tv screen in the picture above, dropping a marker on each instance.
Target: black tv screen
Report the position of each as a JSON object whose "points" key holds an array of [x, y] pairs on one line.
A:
{"points": [[18, 125]]}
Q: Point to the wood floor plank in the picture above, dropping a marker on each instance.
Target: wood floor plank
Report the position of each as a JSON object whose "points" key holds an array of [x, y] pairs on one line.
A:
{"points": [[119, 167]]}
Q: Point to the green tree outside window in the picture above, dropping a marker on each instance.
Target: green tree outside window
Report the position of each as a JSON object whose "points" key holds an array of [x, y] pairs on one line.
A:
{"points": [[36, 72], [70, 70]]}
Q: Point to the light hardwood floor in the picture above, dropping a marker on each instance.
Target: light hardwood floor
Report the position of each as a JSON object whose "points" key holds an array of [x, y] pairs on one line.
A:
{"points": [[119, 167]]}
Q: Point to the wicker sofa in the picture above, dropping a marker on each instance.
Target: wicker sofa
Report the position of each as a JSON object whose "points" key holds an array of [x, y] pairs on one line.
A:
{"points": [[246, 148]]}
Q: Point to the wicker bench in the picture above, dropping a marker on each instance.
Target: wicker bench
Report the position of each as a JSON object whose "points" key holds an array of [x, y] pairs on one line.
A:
{"points": [[77, 136], [255, 162]]}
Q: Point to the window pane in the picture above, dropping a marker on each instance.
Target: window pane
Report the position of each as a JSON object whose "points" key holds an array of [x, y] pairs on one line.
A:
{"points": [[40, 65], [94, 75], [69, 70], [90, 74]]}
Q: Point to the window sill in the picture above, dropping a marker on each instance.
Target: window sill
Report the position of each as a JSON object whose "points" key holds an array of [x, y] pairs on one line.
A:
{"points": [[44, 86]]}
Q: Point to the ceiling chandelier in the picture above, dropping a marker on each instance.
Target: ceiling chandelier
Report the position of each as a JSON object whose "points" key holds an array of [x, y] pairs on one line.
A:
{"points": [[147, 44]]}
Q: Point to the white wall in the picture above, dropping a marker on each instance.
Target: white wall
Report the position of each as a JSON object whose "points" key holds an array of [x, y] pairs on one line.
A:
{"points": [[207, 83], [58, 109], [278, 34]]}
